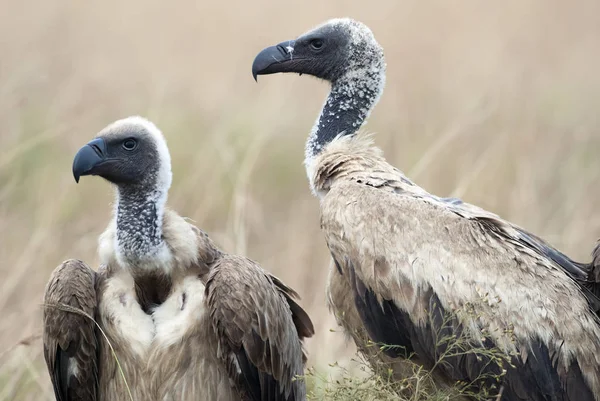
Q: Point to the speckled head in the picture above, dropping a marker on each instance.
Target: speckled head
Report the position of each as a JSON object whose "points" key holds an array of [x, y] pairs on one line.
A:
{"points": [[330, 51], [128, 152], [345, 53]]}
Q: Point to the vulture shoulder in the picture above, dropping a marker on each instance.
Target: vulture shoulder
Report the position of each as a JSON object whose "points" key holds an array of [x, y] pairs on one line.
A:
{"points": [[260, 329], [69, 333]]}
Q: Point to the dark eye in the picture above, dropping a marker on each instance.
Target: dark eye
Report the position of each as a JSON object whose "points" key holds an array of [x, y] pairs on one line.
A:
{"points": [[129, 144], [316, 44]]}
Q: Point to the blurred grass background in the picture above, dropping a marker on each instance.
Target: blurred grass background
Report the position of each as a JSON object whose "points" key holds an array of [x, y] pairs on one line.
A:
{"points": [[495, 102]]}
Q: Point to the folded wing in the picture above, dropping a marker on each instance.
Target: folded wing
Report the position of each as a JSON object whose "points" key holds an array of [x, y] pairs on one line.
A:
{"points": [[259, 329], [70, 345]]}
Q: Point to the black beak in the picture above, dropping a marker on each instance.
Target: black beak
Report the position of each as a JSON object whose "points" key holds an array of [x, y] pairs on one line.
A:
{"points": [[88, 157], [273, 59]]}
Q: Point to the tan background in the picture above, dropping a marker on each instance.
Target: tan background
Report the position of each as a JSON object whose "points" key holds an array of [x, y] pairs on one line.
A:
{"points": [[495, 102]]}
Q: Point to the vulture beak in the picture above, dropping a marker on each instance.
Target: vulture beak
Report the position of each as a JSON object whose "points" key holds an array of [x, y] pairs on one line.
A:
{"points": [[88, 157], [278, 58]]}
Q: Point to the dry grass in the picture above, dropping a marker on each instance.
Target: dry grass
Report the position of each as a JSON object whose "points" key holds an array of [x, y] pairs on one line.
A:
{"points": [[498, 103], [371, 379]]}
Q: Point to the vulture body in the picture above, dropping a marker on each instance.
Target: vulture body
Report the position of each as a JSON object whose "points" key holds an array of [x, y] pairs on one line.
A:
{"points": [[411, 269], [185, 320]]}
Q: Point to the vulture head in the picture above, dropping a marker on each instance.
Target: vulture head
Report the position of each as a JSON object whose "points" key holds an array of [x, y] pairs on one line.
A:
{"points": [[344, 53], [340, 48], [131, 152]]}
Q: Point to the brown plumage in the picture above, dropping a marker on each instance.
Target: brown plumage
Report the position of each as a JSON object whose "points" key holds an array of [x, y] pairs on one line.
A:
{"points": [[412, 269], [425, 255], [70, 346], [249, 336], [185, 320]]}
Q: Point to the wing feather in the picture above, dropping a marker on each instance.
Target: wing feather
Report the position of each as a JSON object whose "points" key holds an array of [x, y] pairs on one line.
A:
{"points": [[304, 325], [585, 275], [70, 344], [259, 328]]}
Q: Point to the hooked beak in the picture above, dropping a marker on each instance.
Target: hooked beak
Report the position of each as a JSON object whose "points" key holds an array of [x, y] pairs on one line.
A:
{"points": [[88, 157], [274, 59]]}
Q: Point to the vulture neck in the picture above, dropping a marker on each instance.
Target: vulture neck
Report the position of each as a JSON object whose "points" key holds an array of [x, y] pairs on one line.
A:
{"points": [[350, 101], [139, 214]]}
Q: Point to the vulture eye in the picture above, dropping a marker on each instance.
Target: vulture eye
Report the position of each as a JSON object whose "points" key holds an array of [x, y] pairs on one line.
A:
{"points": [[129, 144], [316, 44]]}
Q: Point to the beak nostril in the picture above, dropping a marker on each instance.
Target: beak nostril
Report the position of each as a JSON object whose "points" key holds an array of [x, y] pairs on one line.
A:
{"points": [[97, 149], [282, 50]]}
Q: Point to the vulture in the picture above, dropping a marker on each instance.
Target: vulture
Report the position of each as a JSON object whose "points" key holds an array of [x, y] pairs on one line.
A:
{"points": [[167, 316], [411, 269]]}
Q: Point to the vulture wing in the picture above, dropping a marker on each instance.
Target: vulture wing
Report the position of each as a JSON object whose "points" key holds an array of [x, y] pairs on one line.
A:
{"points": [[411, 258], [587, 276], [260, 329], [304, 325], [70, 346]]}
